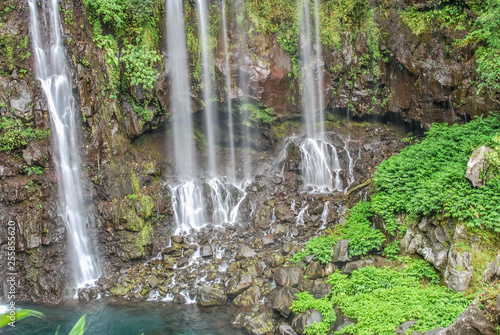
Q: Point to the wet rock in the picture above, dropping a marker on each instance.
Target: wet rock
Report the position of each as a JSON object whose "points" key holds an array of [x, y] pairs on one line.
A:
{"points": [[437, 331], [206, 251], [316, 207], [260, 325], [245, 252], [177, 239], [472, 321], [21, 98], [341, 251], [249, 297], [302, 320], [37, 152], [284, 330], [238, 283], [268, 239], [353, 266], [401, 329], [283, 300], [153, 281], [210, 296], [477, 164], [492, 272], [274, 260], [314, 271], [179, 299], [288, 276]]}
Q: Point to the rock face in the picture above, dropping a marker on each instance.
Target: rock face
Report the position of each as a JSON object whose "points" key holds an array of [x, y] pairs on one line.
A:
{"points": [[492, 272], [435, 243], [472, 321], [302, 320], [477, 164]]}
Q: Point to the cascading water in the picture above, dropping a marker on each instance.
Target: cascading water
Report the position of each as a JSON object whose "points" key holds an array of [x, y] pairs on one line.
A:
{"points": [[320, 161], [53, 73], [206, 66], [231, 164]]}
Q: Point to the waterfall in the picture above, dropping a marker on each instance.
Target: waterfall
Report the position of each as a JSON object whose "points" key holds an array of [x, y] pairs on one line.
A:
{"points": [[243, 84], [54, 76], [206, 66], [320, 162], [180, 91], [231, 164]]}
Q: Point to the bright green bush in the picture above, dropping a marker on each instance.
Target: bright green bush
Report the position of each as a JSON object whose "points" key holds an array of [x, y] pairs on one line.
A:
{"points": [[139, 61], [305, 301], [428, 178], [15, 135], [380, 299], [321, 247]]}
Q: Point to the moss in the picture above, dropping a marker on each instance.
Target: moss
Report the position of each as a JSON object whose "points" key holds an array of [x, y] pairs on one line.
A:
{"points": [[136, 185], [120, 289]]}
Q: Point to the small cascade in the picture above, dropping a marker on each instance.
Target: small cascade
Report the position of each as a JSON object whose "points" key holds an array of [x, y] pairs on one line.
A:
{"points": [[54, 76], [186, 295], [189, 210], [231, 164], [301, 216], [206, 66], [226, 200], [324, 215]]}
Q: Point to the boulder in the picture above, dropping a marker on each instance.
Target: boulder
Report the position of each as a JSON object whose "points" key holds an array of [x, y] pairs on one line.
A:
{"points": [[472, 321], [341, 251], [458, 273], [153, 281], [314, 271], [437, 331], [206, 251], [477, 164], [249, 297], [402, 328], [238, 283], [302, 320], [284, 330], [353, 266], [283, 299], [260, 325], [341, 321], [210, 296], [245, 252], [492, 272], [288, 276]]}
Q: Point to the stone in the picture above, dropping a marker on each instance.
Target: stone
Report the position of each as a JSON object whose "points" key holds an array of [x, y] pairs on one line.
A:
{"points": [[341, 320], [268, 239], [210, 296], [283, 300], [302, 320], [284, 330], [492, 272], [476, 165], [179, 299], [314, 271], [260, 325], [287, 276], [401, 329], [238, 283], [316, 207], [437, 331], [459, 271], [37, 152], [206, 251], [472, 321], [341, 251], [153, 281], [245, 252], [249, 297], [353, 266]]}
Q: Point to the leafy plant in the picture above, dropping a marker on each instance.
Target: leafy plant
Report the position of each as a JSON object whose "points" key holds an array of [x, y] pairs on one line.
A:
{"points": [[15, 135], [305, 301], [20, 314]]}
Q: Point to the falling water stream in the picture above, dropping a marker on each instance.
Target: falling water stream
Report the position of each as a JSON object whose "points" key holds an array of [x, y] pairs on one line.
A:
{"points": [[53, 73]]}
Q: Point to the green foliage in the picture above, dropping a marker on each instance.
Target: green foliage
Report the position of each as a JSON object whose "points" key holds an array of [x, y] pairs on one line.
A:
{"points": [[382, 298], [428, 178], [305, 301], [38, 170], [139, 61], [358, 229], [450, 15], [321, 247], [391, 251], [488, 54], [79, 327], [19, 315], [493, 160], [15, 135], [257, 114]]}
